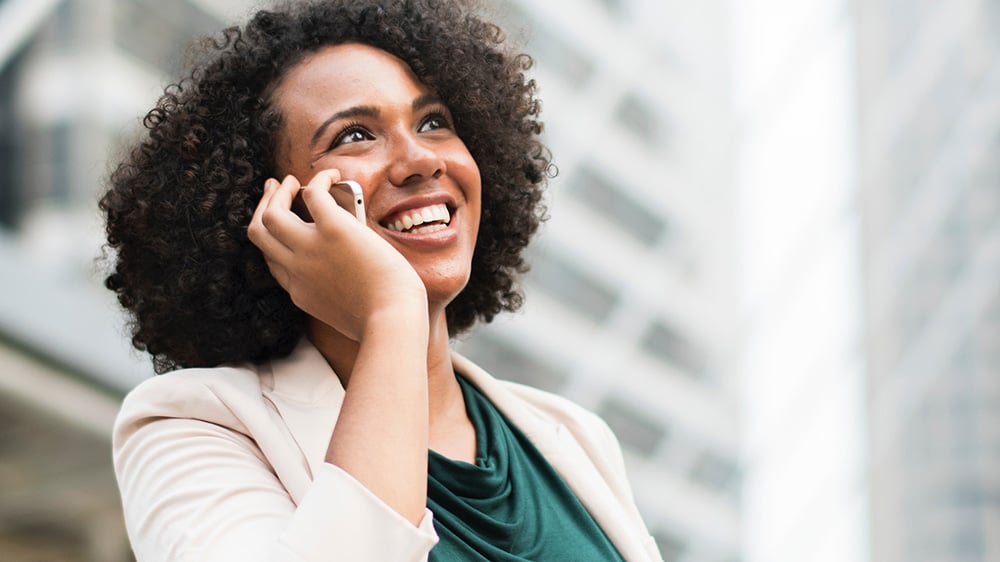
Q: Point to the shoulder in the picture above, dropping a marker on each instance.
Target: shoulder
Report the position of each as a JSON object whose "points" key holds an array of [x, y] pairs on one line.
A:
{"points": [[585, 426], [577, 442], [191, 389], [522, 403], [227, 394], [553, 406], [213, 395]]}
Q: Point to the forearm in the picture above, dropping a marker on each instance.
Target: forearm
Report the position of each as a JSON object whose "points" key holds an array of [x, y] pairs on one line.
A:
{"points": [[195, 490], [381, 433]]}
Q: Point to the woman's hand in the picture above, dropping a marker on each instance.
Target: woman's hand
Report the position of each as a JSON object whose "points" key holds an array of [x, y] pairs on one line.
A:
{"points": [[334, 269], [345, 275]]}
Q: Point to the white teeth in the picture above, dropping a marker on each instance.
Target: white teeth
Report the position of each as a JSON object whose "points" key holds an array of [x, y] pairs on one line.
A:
{"points": [[431, 227], [437, 214]]}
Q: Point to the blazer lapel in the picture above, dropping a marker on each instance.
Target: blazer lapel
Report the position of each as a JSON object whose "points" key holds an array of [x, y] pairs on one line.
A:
{"points": [[307, 395], [566, 456]]}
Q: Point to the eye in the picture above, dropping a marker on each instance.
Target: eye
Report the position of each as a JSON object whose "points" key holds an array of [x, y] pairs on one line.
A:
{"points": [[434, 121], [350, 134]]}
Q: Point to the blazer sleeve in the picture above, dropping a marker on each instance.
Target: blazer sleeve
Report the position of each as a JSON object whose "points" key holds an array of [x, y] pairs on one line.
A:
{"points": [[620, 484], [194, 490]]}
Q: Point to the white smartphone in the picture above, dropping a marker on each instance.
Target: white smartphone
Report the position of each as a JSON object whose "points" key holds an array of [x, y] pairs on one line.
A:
{"points": [[346, 193]]}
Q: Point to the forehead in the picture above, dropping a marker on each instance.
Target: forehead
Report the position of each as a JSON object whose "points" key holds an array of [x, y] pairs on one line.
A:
{"points": [[343, 76]]}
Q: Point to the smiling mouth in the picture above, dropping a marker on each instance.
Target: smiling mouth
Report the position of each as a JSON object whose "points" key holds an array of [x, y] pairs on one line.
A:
{"points": [[425, 219]]}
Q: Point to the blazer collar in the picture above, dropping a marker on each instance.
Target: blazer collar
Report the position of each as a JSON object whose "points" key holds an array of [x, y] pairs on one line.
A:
{"points": [[308, 395], [566, 456]]}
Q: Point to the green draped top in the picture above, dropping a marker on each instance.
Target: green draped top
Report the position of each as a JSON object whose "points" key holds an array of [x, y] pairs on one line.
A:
{"points": [[511, 505]]}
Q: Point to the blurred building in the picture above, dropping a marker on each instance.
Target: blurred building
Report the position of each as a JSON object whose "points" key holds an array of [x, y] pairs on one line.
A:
{"points": [[773, 265], [75, 77], [629, 301], [930, 185], [802, 354], [631, 294]]}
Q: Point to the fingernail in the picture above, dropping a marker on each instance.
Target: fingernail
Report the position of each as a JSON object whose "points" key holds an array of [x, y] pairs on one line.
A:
{"points": [[270, 184]]}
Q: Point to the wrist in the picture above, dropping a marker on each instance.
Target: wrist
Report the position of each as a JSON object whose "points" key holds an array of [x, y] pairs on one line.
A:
{"points": [[405, 319]]}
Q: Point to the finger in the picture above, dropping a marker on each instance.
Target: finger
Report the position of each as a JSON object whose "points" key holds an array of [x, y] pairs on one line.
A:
{"points": [[320, 202], [280, 274], [269, 186], [259, 234], [325, 178], [278, 218], [256, 229], [274, 250], [283, 195]]}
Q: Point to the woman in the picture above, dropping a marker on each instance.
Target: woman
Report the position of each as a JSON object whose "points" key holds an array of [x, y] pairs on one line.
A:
{"points": [[314, 410]]}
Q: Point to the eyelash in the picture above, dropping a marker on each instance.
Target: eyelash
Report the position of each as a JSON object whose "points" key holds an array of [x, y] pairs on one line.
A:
{"points": [[355, 127], [438, 115], [352, 127]]}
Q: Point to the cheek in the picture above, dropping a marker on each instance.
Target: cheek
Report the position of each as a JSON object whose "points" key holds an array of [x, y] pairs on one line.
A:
{"points": [[466, 171], [467, 163], [367, 176]]}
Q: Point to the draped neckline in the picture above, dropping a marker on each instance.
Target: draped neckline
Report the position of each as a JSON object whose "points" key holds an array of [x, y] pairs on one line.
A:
{"points": [[510, 505]]}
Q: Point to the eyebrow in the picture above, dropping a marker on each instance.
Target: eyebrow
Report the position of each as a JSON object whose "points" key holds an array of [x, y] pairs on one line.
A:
{"points": [[424, 101], [368, 111], [356, 111]]}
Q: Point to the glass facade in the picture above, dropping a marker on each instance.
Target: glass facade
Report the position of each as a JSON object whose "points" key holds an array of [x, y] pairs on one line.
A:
{"points": [[931, 201], [73, 85], [635, 213]]}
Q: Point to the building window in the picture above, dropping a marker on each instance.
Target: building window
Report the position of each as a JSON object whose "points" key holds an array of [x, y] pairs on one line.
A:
{"points": [[641, 120], [157, 32], [45, 169], [672, 547], [506, 361], [60, 143], [11, 144], [552, 52], [615, 203], [664, 343], [983, 201], [715, 472], [635, 430], [566, 283], [920, 141], [903, 23], [613, 7]]}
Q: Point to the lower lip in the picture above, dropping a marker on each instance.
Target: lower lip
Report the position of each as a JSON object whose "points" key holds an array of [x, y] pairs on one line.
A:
{"points": [[429, 240]]}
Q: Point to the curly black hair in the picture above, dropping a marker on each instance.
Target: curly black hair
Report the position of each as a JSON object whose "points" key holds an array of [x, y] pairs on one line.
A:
{"points": [[177, 208]]}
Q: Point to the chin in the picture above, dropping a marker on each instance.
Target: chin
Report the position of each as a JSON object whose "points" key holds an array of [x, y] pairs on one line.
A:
{"points": [[441, 291]]}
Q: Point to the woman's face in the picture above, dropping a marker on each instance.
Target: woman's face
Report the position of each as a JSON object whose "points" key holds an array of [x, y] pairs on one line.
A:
{"points": [[360, 110]]}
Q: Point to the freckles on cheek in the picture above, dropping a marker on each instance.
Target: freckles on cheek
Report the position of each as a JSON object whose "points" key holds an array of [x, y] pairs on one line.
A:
{"points": [[291, 157]]}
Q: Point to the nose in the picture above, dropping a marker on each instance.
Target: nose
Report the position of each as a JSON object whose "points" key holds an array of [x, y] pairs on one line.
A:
{"points": [[415, 160]]}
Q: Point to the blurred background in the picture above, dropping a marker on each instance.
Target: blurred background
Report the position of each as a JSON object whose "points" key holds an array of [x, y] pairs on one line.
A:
{"points": [[773, 265]]}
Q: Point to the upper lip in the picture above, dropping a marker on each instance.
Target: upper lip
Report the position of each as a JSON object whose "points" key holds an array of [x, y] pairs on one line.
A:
{"points": [[419, 201]]}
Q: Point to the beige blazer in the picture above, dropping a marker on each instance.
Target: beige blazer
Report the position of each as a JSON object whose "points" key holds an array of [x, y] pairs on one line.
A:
{"points": [[227, 464]]}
